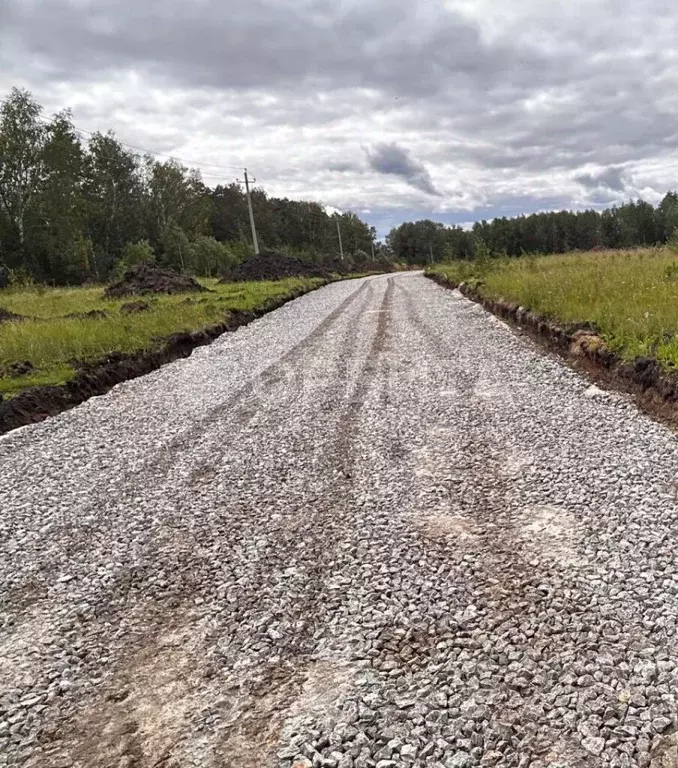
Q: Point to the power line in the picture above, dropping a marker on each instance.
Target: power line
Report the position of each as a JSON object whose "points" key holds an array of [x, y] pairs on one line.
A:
{"points": [[146, 151], [160, 154], [121, 162]]}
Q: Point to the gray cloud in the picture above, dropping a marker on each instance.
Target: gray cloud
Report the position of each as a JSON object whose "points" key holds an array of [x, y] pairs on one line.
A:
{"points": [[607, 178], [508, 101], [340, 166], [397, 161], [265, 43]]}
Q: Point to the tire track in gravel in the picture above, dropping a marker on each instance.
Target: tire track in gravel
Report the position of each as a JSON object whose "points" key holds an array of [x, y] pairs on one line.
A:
{"points": [[313, 342], [318, 676], [529, 583], [133, 482], [508, 588], [278, 681]]}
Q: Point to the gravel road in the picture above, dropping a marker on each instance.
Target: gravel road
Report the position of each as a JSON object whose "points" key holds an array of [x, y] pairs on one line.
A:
{"points": [[373, 528]]}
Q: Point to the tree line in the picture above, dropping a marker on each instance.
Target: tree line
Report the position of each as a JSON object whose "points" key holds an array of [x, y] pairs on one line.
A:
{"points": [[73, 210], [636, 223]]}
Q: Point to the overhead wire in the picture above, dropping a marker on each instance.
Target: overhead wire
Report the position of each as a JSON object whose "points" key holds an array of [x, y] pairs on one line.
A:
{"points": [[84, 132]]}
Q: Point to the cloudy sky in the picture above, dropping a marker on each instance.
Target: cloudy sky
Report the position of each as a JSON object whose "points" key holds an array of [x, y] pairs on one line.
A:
{"points": [[451, 109]]}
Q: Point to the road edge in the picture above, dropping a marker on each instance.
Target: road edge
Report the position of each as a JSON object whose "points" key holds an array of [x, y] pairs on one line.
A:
{"points": [[654, 390], [39, 403]]}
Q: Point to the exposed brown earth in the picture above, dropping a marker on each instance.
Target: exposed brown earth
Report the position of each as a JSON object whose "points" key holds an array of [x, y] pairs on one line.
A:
{"points": [[144, 279]]}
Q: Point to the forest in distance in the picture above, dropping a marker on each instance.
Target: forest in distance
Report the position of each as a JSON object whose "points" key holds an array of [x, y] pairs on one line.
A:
{"points": [[78, 207]]}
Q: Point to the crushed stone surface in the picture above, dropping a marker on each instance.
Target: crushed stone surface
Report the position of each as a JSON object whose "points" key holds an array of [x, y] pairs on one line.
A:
{"points": [[372, 529]]}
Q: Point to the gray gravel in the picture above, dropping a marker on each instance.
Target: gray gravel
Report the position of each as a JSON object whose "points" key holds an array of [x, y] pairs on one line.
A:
{"points": [[374, 528]]}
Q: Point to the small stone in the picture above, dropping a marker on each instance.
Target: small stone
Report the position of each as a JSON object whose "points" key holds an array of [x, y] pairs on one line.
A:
{"points": [[459, 760], [594, 745], [405, 703], [660, 724], [302, 762]]}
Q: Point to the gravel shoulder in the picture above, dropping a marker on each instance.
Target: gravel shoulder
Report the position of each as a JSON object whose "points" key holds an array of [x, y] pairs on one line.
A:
{"points": [[372, 528]]}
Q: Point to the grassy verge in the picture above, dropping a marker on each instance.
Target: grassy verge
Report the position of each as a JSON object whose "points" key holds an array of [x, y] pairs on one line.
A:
{"points": [[630, 296], [55, 344]]}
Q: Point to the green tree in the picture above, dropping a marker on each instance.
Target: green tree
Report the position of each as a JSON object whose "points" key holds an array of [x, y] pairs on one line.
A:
{"points": [[228, 217], [135, 253], [175, 247], [667, 216], [58, 237], [113, 192], [418, 242], [176, 197], [208, 257], [22, 143]]}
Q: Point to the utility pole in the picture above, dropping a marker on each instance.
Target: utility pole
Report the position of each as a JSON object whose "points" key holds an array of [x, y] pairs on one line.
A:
{"points": [[341, 247], [249, 207], [372, 244], [430, 253]]}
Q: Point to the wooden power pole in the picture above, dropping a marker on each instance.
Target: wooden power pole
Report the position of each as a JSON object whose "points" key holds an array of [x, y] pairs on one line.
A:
{"points": [[255, 241]]}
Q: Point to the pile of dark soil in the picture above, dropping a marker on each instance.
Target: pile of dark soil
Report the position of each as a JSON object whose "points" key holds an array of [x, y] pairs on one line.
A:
{"points": [[132, 307], [143, 279], [20, 368], [376, 266], [6, 316], [93, 314], [269, 265]]}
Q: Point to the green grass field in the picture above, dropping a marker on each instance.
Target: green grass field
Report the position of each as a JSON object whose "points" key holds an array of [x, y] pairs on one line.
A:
{"points": [[52, 342], [631, 296]]}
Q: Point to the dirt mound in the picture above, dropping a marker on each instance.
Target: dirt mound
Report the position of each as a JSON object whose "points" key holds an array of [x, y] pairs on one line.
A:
{"points": [[6, 316], [269, 265], [376, 266], [143, 279], [93, 314], [20, 368], [133, 307]]}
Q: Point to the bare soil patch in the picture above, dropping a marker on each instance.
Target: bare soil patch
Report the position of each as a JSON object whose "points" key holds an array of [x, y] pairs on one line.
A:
{"points": [[6, 316], [269, 265], [143, 279]]}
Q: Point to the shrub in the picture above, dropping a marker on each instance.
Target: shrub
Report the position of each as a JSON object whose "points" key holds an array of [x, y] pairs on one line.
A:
{"points": [[673, 240], [208, 257], [20, 278], [134, 253]]}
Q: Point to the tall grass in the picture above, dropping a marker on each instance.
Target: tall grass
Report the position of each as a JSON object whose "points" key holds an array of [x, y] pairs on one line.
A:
{"points": [[53, 343], [631, 296]]}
